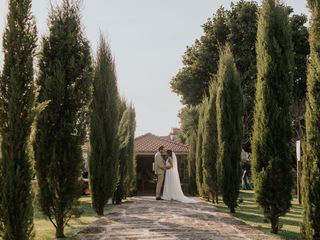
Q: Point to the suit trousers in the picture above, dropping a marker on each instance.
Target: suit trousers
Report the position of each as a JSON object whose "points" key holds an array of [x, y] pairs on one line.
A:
{"points": [[159, 184]]}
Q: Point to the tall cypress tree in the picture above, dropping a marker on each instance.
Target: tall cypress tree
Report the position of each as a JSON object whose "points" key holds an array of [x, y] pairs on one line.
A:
{"points": [[192, 181], [229, 126], [272, 130], [130, 180], [210, 145], [103, 157], [123, 105], [1, 186], [199, 152], [65, 79], [17, 99], [311, 161], [126, 154]]}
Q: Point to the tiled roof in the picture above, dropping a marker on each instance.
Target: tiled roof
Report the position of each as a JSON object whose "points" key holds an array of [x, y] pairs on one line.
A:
{"points": [[150, 143]]}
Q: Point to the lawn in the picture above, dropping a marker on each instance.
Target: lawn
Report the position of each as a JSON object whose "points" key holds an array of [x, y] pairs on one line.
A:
{"points": [[249, 212], [45, 230]]}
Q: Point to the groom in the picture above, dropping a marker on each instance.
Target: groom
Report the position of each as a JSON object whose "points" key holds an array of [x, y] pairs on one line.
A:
{"points": [[159, 168]]}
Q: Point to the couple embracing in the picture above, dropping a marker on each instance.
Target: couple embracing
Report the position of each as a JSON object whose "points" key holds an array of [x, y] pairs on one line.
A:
{"points": [[166, 169]]}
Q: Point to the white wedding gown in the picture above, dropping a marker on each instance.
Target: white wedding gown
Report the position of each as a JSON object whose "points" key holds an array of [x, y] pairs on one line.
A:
{"points": [[172, 187]]}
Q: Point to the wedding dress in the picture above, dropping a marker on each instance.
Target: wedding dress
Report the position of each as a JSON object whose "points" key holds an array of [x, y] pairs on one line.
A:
{"points": [[172, 187]]}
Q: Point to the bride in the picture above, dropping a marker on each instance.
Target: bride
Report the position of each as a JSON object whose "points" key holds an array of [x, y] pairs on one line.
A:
{"points": [[172, 188]]}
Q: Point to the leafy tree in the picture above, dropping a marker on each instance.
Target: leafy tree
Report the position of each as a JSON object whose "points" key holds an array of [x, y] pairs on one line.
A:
{"points": [[103, 158], [242, 24], [240, 30], [229, 126], [311, 161], [272, 131], [199, 147], [209, 148], [17, 100], [189, 117], [65, 80], [201, 61], [126, 155], [301, 50]]}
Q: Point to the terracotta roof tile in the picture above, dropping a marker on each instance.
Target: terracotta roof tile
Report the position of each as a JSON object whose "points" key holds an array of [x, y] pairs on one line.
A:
{"points": [[150, 143]]}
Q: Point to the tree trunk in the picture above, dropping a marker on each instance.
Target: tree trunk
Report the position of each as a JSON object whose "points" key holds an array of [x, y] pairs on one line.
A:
{"points": [[232, 210], [274, 225], [60, 228], [100, 211]]}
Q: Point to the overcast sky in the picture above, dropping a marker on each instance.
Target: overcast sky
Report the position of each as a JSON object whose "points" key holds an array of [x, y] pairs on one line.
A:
{"points": [[148, 38]]}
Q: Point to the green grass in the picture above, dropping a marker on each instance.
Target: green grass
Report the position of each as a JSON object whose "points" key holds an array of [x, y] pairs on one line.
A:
{"points": [[250, 213], [46, 231]]}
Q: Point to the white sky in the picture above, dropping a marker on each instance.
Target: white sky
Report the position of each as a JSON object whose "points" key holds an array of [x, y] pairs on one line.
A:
{"points": [[148, 38]]}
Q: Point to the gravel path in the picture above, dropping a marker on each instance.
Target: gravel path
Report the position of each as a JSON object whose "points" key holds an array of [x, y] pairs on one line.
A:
{"points": [[146, 218]]}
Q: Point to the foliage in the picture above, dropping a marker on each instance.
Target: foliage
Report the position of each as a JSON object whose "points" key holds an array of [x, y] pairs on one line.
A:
{"points": [[229, 126], [301, 51], [272, 131], [201, 61], [188, 134], [192, 182], [311, 160], [1, 187], [210, 146], [127, 167], [131, 179], [240, 31], [199, 152], [65, 79], [17, 115], [189, 117], [242, 24], [104, 153]]}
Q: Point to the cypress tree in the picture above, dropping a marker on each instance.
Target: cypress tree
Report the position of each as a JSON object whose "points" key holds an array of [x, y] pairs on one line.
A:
{"points": [[192, 182], [1, 186], [229, 126], [210, 145], [126, 154], [65, 79], [103, 157], [311, 161], [272, 130], [130, 180], [199, 153], [121, 108], [17, 99]]}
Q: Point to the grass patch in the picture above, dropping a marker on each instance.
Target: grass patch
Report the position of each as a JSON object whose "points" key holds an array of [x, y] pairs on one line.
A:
{"points": [[249, 212], [45, 230]]}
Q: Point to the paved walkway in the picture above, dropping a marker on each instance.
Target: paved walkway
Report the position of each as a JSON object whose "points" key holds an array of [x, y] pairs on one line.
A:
{"points": [[145, 218]]}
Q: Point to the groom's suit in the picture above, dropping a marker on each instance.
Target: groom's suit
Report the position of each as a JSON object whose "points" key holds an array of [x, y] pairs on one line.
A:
{"points": [[159, 168]]}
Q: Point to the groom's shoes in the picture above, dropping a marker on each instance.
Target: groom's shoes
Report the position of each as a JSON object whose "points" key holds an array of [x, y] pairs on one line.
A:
{"points": [[159, 198]]}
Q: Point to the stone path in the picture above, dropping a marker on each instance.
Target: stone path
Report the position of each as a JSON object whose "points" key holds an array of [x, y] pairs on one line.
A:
{"points": [[145, 218]]}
